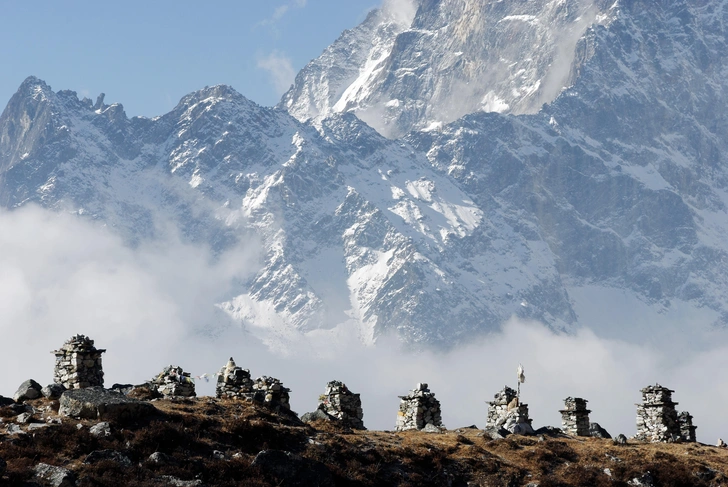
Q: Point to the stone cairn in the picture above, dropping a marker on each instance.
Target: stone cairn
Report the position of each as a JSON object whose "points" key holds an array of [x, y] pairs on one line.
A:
{"points": [[270, 391], [575, 417], [657, 419], [174, 382], [419, 410], [78, 364], [342, 404], [687, 430], [233, 381], [507, 412]]}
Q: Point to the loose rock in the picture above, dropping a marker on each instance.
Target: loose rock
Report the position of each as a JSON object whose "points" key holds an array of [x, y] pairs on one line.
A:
{"points": [[101, 429], [28, 390], [53, 476], [53, 391], [620, 439], [113, 455]]}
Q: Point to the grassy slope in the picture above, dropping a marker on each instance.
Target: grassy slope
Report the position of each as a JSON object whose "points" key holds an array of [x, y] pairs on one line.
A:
{"points": [[191, 430]]}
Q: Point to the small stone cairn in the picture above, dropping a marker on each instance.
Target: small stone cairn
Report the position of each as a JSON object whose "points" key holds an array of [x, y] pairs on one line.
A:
{"points": [[687, 430], [419, 410], [575, 417], [233, 381], [78, 364], [507, 412], [270, 391], [342, 404], [174, 382], [657, 419]]}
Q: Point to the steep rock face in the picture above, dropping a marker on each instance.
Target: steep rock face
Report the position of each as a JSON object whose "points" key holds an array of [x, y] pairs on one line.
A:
{"points": [[623, 175], [455, 57]]}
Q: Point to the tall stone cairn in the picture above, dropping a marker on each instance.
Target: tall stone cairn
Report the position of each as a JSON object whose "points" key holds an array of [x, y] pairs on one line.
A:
{"points": [[657, 419], [342, 404], [78, 364], [506, 411], [233, 381], [575, 416], [419, 410], [687, 430], [174, 382]]}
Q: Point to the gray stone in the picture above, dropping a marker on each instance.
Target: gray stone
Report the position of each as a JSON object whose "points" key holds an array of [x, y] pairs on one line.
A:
{"points": [[495, 433], [292, 469], [161, 458], [620, 439], [317, 415], [101, 429], [29, 389], [218, 455], [53, 476], [6, 401], [53, 391], [37, 426], [24, 418], [113, 455], [14, 429], [174, 481], [98, 403], [596, 431], [431, 428]]}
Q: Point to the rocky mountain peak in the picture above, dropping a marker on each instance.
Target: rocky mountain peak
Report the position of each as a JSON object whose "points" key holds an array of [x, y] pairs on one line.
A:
{"points": [[455, 57]]}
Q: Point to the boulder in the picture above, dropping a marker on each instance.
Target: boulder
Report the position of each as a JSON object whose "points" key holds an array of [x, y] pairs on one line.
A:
{"points": [[620, 440], [101, 429], [29, 389], [160, 458], [596, 431], [53, 391], [24, 418], [175, 482], [113, 455], [98, 403], [495, 433], [293, 470], [317, 415], [6, 401], [53, 476], [431, 428]]}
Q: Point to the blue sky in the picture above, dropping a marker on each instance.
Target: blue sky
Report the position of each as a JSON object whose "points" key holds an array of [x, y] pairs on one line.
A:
{"points": [[148, 55]]}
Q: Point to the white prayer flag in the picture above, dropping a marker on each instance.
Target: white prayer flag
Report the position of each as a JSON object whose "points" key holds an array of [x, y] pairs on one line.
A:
{"points": [[521, 375]]}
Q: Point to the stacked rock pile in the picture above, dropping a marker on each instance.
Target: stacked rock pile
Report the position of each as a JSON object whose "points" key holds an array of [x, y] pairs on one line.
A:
{"points": [[419, 410], [78, 364], [233, 381], [174, 382], [342, 404], [657, 419], [507, 412], [575, 417], [270, 391], [687, 430]]}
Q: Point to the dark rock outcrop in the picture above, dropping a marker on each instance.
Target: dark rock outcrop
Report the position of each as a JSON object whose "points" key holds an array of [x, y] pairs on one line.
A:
{"points": [[99, 403]]}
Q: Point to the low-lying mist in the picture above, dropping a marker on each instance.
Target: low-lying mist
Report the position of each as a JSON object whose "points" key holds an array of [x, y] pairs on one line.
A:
{"points": [[154, 305]]}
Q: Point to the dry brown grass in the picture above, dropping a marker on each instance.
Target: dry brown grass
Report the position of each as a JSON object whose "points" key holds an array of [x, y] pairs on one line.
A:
{"points": [[189, 431]]}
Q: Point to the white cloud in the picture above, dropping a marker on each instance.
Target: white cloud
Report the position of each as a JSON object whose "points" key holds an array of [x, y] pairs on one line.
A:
{"points": [[280, 69], [282, 10], [403, 11], [61, 275]]}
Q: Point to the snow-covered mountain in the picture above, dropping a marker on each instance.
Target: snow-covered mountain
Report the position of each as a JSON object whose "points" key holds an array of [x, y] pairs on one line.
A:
{"points": [[402, 72], [613, 191]]}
